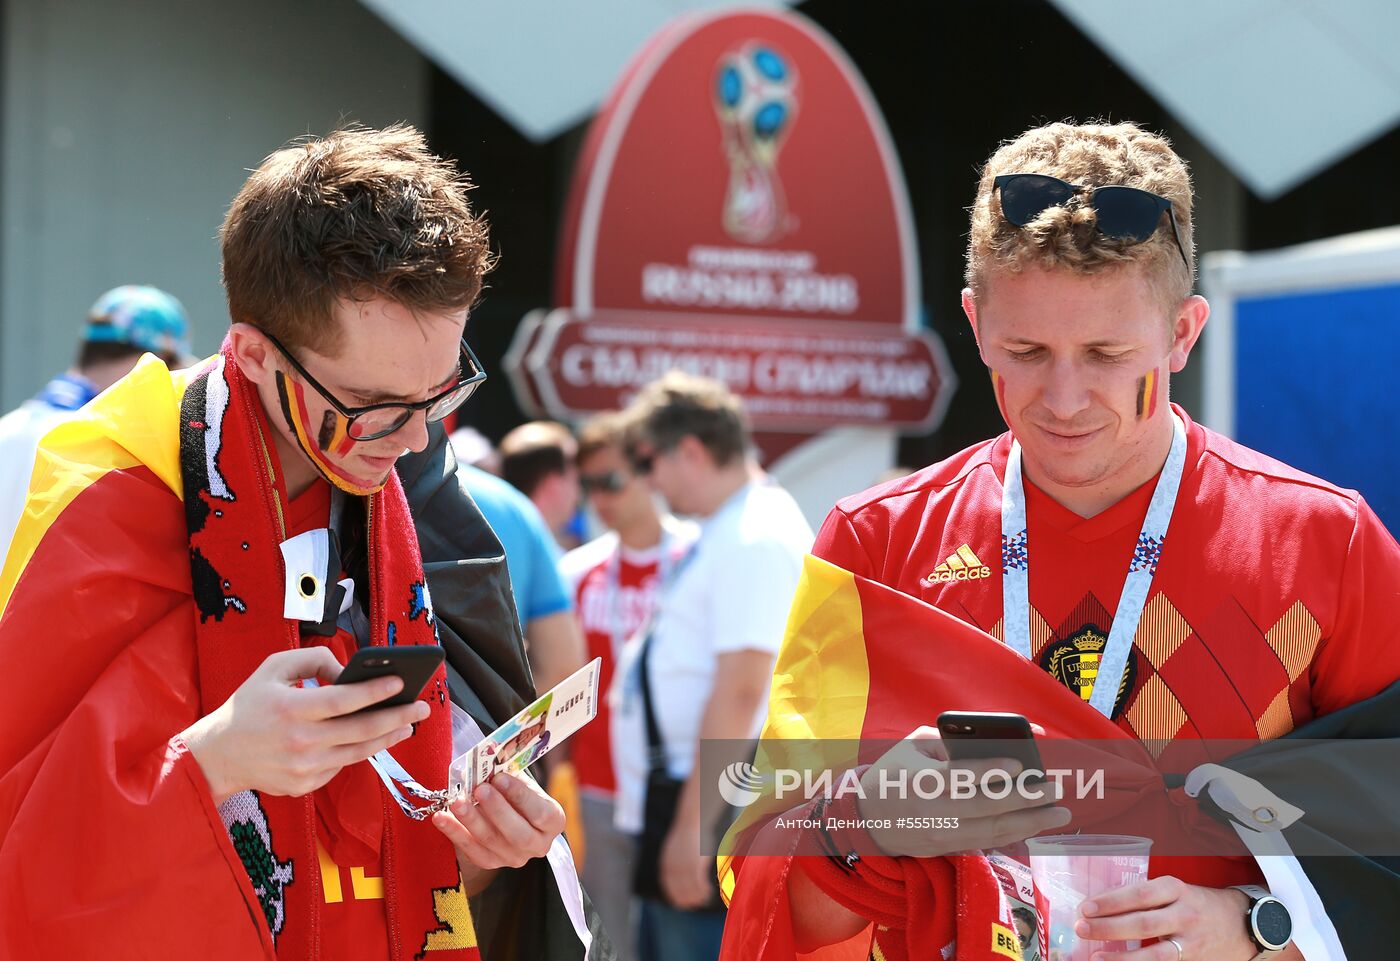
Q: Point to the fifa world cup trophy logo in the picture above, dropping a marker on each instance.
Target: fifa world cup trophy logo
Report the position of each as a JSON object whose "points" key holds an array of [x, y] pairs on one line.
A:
{"points": [[755, 100]]}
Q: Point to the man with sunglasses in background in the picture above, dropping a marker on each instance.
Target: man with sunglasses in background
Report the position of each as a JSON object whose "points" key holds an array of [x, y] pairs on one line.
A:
{"points": [[203, 551], [700, 669], [1183, 586], [615, 580]]}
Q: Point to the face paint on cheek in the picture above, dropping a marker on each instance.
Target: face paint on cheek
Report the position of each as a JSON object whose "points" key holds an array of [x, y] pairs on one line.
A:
{"points": [[999, 386], [293, 402], [327, 433], [1147, 393]]}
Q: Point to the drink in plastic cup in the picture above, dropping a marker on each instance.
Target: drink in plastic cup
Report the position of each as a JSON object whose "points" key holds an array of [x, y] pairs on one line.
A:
{"points": [[1071, 868]]}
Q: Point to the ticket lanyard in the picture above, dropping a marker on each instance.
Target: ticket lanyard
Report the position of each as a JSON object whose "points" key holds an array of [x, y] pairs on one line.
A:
{"points": [[402, 787], [1015, 563]]}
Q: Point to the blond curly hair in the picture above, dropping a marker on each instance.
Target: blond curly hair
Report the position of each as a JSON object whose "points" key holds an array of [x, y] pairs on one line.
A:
{"points": [[1094, 154]]}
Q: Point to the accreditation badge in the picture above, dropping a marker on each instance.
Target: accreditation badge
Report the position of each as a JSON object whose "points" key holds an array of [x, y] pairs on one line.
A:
{"points": [[1014, 876], [1074, 662]]}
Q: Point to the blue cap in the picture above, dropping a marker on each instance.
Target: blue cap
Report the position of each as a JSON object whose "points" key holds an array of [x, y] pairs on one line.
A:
{"points": [[143, 317]]}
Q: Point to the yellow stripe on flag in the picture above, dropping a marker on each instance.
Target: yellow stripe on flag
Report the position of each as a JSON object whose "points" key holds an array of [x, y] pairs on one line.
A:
{"points": [[143, 410], [822, 678]]}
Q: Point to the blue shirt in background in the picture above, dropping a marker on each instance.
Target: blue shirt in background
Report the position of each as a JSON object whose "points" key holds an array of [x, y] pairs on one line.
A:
{"points": [[532, 555]]}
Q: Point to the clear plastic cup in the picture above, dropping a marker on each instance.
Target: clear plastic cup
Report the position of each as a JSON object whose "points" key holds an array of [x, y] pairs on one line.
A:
{"points": [[1071, 868]]}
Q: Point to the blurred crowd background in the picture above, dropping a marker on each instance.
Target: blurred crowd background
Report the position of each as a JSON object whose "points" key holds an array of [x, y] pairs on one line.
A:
{"points": [[126, 129]]}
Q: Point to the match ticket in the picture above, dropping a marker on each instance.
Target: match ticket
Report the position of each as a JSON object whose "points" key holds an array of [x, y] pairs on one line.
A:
{"points": [[532, 733]]}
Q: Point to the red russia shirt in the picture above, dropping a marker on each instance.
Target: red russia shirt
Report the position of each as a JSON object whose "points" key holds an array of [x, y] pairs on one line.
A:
{"points": [[1273, 603]]}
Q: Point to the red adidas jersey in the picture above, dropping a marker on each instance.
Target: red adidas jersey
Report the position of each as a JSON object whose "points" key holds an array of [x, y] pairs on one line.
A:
{"points": [[1274, 600], [615, 591]]}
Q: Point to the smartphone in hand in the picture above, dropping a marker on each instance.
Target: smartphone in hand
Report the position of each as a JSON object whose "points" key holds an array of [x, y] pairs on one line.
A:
{"points": [[415, 663], [976, 735]]}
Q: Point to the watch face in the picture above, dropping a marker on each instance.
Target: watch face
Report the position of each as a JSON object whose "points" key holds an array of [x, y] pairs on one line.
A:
{"points": [[1272, 924]]}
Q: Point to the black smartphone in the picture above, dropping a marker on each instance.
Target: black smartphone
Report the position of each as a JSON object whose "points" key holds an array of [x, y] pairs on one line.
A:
{"points": [[415, 663], [976, 735]]}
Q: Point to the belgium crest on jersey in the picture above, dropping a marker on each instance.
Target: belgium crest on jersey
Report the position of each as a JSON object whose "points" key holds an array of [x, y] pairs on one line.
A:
{"points": [[1074, 662]]}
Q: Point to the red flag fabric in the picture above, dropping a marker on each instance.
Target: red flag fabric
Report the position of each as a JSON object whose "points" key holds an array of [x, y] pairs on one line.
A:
{"points": [[864, 662], [109, 838]]}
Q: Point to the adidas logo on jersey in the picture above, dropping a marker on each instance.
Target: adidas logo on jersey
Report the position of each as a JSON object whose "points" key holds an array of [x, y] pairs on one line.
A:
{"points": [[961, 565]]}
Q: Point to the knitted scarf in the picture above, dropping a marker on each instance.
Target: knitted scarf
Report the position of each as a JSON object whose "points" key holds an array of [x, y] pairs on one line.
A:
{"points": [[924, 908], [235, 505]]}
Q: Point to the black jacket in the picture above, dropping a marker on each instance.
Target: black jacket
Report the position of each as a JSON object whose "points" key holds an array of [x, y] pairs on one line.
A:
{"points": [[521, 916]]}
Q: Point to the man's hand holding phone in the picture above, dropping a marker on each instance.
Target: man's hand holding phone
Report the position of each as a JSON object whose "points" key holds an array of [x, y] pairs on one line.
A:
{"points": [[983, 822], [275, 736]]}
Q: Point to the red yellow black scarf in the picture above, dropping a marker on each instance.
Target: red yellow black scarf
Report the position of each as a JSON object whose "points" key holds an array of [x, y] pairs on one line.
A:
{"points": [[235, 505]]}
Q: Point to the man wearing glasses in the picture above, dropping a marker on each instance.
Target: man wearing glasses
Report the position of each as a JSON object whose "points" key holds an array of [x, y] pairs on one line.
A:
{"points": [[202, 552], [1270, 602]]}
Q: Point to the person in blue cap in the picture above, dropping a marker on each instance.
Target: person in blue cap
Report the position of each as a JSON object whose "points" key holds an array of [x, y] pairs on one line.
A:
{"points": [[125, 323]]}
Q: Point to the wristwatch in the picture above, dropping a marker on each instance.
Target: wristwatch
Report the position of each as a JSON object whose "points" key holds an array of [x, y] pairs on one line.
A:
{"points": [[1267, 921]]}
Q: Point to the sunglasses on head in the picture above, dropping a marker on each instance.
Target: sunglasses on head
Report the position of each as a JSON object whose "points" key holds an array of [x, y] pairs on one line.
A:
{"points": [[1124, 213], [607, 483]]}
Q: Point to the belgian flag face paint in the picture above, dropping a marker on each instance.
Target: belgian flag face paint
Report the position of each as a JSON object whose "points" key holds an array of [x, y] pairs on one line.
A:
{"points": [[333, 438], [1147, 393]]}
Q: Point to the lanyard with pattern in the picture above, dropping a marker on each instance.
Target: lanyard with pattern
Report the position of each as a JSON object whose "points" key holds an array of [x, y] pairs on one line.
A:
{"points": [[1015, 567]]}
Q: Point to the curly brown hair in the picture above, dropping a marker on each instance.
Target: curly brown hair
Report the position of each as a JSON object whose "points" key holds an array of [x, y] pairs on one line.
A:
{"points": [[356, 214], [1095, 154]]}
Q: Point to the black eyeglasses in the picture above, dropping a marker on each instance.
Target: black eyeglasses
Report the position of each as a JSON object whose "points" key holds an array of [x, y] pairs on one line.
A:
{"points": [[608, 483], [1124, 213], [373, 421]]}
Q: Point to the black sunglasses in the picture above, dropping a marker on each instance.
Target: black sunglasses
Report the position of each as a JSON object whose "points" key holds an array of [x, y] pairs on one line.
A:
{"points": [[607, 483], [1124, 213], [373, 421]]}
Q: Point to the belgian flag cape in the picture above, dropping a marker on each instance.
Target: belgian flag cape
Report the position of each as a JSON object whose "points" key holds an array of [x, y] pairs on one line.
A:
{"points": [[864, 663], [110, 841]]}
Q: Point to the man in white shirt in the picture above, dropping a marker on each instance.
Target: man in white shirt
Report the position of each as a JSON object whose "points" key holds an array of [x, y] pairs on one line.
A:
{"points": [[710, 655], [123, 324]]}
